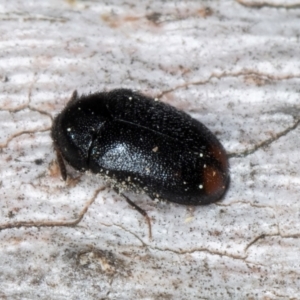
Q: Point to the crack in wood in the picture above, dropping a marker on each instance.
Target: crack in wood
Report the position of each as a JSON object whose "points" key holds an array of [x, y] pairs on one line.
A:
{"points": [[265, 143], [262, 4], [70, 223]]}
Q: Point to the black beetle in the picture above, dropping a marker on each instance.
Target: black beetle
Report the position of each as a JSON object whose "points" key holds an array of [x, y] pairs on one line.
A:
{"points": [[142, 144]]}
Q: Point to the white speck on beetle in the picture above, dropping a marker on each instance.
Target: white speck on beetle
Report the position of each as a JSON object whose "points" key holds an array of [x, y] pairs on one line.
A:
{"points": [[69, 129], [155, 149], [204, 166], [155, 99], [200, 186], [201, 154], [129, 98]]}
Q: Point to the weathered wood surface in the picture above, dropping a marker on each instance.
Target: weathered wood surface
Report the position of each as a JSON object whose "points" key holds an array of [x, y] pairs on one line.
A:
{"points": [[233, 65]]}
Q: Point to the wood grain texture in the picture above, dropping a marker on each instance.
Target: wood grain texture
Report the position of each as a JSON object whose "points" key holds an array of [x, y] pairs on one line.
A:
{"points": [[233, 66]]}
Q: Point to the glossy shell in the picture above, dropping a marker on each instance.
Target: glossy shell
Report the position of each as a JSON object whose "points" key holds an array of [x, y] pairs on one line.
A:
{"points": [[142, 144]]}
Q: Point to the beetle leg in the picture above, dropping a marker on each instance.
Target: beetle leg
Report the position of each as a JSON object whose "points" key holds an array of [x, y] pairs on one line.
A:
{"points": [[61, 165], [141, 211]]}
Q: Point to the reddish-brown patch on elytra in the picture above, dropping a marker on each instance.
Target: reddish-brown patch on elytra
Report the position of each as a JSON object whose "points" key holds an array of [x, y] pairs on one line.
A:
{"points": [[213, 181], [219, 154]]}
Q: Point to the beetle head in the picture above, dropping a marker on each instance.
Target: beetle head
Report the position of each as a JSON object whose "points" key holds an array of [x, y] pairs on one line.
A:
{"points": [[75, 128]]}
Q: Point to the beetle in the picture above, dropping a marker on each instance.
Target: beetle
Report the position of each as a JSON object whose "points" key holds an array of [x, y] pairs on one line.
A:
{"points": [[141, 144]]}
